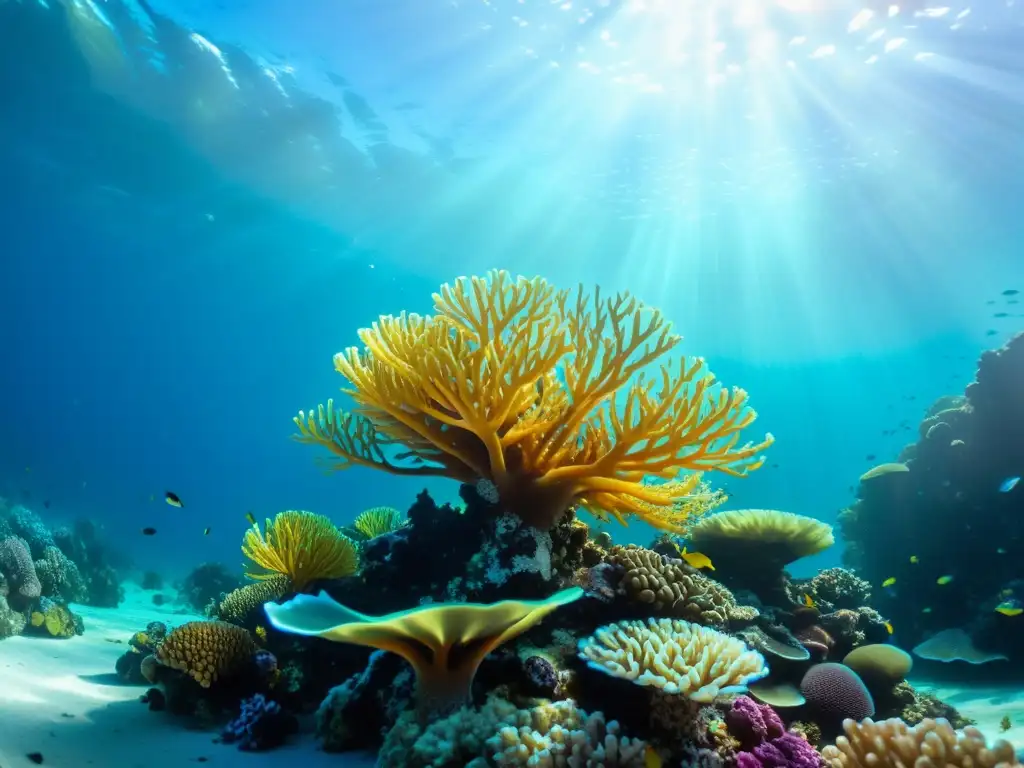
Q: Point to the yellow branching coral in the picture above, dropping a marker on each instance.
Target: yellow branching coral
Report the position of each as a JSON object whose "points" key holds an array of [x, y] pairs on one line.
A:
{"points": [[302, 546], [676, 657], [377, 521], [545, 393]]}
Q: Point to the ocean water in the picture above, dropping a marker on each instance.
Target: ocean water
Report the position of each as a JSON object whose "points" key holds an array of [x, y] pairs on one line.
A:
{"points": [[201, 203]]}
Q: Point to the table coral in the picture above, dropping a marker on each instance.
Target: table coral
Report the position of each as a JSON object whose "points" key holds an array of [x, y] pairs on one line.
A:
{"points": [[678, 657], [542, 393]]}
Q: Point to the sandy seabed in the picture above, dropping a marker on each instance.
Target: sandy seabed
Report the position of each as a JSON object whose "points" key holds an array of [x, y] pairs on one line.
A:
{"points": [[61, 698]]}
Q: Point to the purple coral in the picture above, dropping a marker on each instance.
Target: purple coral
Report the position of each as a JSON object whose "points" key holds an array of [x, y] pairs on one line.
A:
{"points": [[751, 723], [17, 566], [764, 741]]}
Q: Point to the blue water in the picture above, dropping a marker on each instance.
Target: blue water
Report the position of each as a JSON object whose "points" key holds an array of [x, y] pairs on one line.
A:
{"points": [[201, 203]]}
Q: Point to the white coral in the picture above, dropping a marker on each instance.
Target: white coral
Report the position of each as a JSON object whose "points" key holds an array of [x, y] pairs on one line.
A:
{"points": [[679, 657]]}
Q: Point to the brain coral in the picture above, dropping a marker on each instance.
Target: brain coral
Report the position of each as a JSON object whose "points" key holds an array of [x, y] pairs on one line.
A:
{"points": [[929, 744], [669, 585], [836, 690], [17, 566], [678, 657], [206, 650]]}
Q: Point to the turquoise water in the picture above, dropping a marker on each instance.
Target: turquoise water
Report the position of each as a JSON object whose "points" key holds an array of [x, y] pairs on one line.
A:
{"points": [[202, 202]]}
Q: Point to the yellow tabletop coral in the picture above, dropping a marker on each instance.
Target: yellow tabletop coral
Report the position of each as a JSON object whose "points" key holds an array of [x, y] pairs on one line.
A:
{"points": [[552, 395]]}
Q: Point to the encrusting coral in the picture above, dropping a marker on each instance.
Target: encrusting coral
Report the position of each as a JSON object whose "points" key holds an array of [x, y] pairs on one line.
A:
{"points": [[542, 393], [206, 650], [670, 587], [302, 546], [929, 744], [444, 643], [677, 657]]}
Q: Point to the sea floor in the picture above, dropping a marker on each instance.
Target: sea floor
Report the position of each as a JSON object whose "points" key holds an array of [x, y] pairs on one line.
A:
{"points": [[61, 699]]}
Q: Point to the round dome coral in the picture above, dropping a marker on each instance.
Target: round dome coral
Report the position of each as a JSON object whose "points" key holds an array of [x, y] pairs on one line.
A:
{"points": [[836, 691]]}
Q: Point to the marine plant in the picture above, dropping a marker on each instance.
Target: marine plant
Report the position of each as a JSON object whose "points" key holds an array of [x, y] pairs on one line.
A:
{"points": [[300, 545], [444, 642], [377, 521], [545, 393]]}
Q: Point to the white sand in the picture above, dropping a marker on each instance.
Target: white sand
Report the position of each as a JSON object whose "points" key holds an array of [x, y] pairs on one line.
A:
{"points": [[987, 705], [62, 698]]}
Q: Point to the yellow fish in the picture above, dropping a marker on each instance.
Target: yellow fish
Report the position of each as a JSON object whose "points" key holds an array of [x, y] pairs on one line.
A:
{"points": [[809, 601], [889, 582], [888, 627], [651, 758], [1010, 608], [943, 580], [261, 633], [913, 559], [696, 559]]}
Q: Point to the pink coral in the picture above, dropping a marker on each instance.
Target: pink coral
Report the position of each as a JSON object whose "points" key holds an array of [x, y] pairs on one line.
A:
{"points": [[751, 723]]}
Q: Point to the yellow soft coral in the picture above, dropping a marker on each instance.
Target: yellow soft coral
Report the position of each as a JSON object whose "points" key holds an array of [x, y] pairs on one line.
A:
{"points": [[542, 392], [302, 546], [377, 521]]}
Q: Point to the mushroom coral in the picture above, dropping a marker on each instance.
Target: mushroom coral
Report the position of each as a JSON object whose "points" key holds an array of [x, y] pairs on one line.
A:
{"points": [[543, 392], [444, 642]]}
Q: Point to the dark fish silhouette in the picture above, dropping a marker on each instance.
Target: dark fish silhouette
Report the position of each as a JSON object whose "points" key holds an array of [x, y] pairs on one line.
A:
{"points": [[149, 531], [1010, 292]]}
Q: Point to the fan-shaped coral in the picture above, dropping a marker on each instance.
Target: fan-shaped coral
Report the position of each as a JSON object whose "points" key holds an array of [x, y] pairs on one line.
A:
{"points": [[675, 656], [929, 744], [543, 393], [377, 521], [302, 546]]}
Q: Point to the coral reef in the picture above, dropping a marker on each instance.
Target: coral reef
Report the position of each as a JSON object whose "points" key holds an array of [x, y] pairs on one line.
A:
{"points": [[206, 583], [207, 650], [515, 382], [302, 546], [261, 724], [921, 530]]}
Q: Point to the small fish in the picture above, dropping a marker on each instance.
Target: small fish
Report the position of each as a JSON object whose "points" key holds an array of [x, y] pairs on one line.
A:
{"points": [[870, 457], [889, 582], [172, 499], [696, 559], [1006, 593], [926, 610], [1000, 314], [149, 531], [943, 580], [261, 633], [35, 757], [251, 518], [651, 757], [1010, 608], [1000, 551], [888, 627], [114, 640], [1010, 292], [913, 559], [46, 503], [206, 531], [808, 601], [990, 302], [1005, 724], [1008, 484], [991, 332]]}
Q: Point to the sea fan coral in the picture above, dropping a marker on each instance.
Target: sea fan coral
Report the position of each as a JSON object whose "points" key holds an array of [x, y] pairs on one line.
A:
{"points": [[543, 394], [302, 546], [677, 657]]}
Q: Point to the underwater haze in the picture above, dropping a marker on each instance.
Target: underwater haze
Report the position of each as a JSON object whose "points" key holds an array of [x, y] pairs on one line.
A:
{"points": [[202, 202]]}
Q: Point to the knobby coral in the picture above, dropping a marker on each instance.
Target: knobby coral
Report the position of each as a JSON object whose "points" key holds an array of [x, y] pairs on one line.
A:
{"points": [[302, 546], [206, 650], [543, 393]]}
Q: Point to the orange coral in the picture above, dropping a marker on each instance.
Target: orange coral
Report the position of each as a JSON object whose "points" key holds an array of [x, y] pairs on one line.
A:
{"points": [[544, 393]]}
